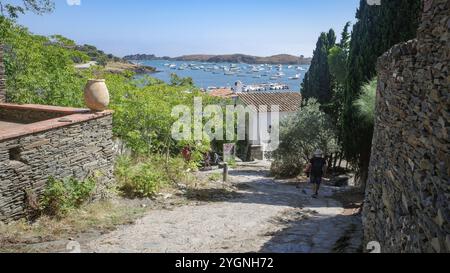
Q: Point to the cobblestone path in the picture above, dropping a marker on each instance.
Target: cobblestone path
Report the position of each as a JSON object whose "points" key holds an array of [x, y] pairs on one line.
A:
{"points": [[266, 216]]}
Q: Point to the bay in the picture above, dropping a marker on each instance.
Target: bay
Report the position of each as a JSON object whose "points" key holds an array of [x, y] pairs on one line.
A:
{"points": [[225, 75]]}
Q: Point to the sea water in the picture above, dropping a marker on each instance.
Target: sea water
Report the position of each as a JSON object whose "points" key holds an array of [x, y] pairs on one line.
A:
{"points": [[206, 75]]}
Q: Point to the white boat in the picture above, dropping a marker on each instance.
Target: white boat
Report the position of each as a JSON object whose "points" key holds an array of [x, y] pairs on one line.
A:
{"points": [[173, 66], [296, 77]]}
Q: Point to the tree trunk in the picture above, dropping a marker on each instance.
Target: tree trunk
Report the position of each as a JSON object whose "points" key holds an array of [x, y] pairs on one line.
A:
{"points": [[330, 161], [336, 156]]}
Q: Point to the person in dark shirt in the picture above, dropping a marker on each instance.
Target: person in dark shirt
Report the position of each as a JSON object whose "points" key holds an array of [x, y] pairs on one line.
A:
{"points": [[317, 168]]}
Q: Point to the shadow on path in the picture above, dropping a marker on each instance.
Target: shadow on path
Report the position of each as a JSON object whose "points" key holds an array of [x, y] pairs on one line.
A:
{"points": [[310, 225]]}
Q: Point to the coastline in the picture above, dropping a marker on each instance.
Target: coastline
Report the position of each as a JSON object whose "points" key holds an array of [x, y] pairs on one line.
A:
{"points": [[283, 59], [120, 67]]}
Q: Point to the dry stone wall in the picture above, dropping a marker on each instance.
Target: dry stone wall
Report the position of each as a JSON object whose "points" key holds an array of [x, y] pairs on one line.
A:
{"points": [[407, 199], [78, 150]]}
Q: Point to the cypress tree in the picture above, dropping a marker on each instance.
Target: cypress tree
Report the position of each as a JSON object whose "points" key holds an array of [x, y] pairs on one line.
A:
{"points": [[378, 28], [318, 81]]}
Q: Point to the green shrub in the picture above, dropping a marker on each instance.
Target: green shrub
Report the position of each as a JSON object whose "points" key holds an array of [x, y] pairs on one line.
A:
{"points": [[146, 176], [365, 104], [300, 135], [140, 180], [215, 177], [287, 167], [62, 196], [232, 163]]}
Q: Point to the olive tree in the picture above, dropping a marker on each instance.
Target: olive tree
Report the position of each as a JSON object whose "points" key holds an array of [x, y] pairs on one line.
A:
{"points": [[300, 135]]}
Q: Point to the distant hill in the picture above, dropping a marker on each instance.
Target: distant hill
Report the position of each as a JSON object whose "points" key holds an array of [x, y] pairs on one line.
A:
{"points": [[97, 55], [233, 58], [145, 57]]}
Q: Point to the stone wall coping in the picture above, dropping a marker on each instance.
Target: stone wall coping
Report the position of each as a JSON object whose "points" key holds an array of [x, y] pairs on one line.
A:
{"points": [[43, 108], [71, 116]]}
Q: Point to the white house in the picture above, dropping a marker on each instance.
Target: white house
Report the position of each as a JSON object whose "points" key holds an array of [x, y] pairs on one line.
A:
{"points": [[288, 104]]}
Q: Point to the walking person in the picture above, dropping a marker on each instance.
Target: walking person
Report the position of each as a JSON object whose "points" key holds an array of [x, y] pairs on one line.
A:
{"points": [[186, 152], [318, 168], [207, 159]]}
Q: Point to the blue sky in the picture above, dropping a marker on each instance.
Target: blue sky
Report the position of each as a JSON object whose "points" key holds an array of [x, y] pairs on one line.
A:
{"points": [[178, 27]]}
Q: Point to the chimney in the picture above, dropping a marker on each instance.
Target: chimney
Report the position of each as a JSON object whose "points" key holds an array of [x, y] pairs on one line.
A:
{"points": [[2, 78]]}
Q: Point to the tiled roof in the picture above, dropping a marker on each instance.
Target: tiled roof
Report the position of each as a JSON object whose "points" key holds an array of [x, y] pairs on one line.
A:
{"points": [[223, 93], [287, 101]]}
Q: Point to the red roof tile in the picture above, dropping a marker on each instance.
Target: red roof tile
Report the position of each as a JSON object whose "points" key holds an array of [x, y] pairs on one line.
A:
{"points": [[223, 93]]}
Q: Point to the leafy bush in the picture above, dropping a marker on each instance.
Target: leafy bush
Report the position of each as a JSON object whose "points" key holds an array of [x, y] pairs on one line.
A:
{"points": [[300, 135], [215, 177], [62, 196], [146, 176], [143, 115], [41, 69], [366, 104]]}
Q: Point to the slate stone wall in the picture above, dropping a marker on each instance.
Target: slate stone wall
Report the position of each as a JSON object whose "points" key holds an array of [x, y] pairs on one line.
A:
{"points": [[407, 200], [78, 150]]}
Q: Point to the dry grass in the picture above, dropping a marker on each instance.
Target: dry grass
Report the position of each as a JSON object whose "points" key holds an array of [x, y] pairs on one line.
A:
{"points": [[48, 234], [103, 216]]}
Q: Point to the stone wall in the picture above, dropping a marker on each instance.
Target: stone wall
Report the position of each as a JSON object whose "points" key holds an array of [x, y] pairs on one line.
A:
{"points": [[2, 78], [77, 149], [407, 199], [27, 116]]}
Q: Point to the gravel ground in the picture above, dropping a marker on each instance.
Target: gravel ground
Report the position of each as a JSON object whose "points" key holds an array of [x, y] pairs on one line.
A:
{"points": [[263, 215]]}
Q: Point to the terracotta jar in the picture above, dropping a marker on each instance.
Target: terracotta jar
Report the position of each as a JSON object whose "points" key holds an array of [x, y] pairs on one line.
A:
{"points": [[96, 95]]}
